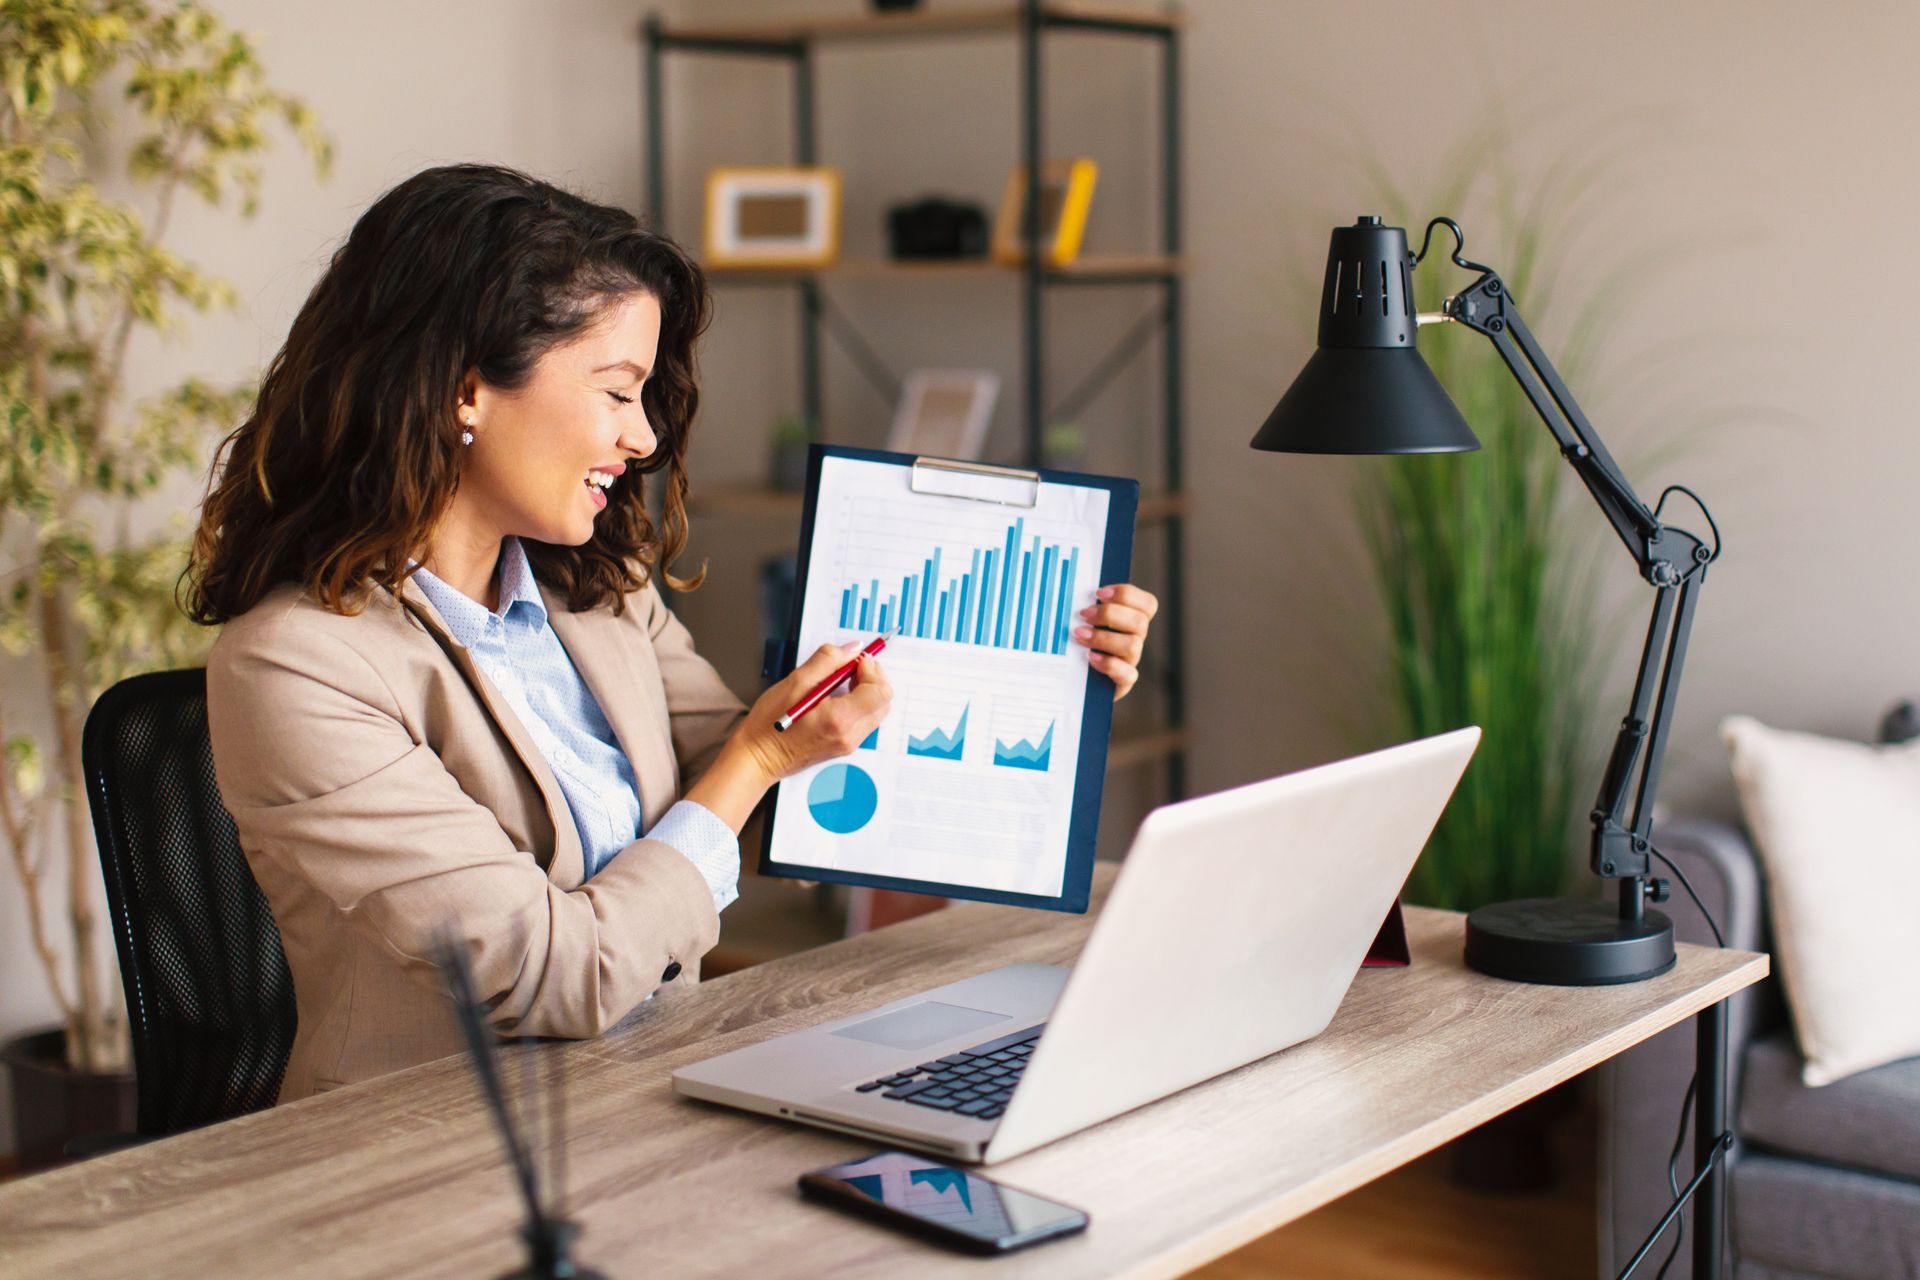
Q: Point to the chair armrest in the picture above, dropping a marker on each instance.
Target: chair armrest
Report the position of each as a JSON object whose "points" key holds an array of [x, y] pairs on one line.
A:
{"points": [[1640, 1092], [85, 1146]]}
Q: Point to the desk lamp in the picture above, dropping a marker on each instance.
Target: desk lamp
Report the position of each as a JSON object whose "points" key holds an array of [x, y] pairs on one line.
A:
{"points": [[1367, 390]]}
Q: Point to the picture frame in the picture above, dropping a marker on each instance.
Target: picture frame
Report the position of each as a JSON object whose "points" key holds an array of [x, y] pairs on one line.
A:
{"points": [[773, 216], [1066, 194], [943, 413]]}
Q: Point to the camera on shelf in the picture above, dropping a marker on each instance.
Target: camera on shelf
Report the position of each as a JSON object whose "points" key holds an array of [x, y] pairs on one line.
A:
{"points": [[935, 227]]}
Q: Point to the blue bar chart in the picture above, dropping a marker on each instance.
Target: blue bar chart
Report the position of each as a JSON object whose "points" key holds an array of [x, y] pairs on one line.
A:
{"points": [[1017, 595]]}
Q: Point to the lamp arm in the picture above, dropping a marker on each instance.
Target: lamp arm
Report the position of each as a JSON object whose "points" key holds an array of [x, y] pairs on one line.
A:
{"points": [[1620, 844], [1487, 308], [1672, 560]]}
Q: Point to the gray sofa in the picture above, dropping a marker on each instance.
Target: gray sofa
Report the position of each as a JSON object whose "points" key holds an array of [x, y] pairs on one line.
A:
{"points": [[1825, 1183]]}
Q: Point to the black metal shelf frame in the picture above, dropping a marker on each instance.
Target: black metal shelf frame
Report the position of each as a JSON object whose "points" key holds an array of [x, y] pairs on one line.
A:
{"points": [[1035, 19]]}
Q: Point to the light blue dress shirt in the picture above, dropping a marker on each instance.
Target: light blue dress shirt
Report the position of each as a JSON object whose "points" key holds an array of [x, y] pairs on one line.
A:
{"points": [[520, 653]]}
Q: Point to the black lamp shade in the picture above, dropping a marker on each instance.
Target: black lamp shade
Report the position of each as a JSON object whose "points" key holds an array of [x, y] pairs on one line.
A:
{"points": [[1366, 390]]}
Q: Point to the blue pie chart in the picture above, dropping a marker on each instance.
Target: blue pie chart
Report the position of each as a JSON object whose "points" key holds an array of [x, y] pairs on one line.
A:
{"points": [[842, 798]]}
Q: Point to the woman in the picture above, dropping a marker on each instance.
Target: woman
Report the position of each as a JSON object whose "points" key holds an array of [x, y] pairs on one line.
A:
{"points": [[447, 698]]}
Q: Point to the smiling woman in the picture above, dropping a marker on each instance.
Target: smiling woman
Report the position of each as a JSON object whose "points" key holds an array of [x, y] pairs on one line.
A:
{"points": [[460, 285], [447, 702]]}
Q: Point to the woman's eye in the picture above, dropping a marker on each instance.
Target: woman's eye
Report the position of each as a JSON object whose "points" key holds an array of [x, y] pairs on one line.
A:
{"points": [[622, 399]]}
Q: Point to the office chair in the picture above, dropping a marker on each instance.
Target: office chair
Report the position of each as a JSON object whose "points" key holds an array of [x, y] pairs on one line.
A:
{"points": [[209, 997]]}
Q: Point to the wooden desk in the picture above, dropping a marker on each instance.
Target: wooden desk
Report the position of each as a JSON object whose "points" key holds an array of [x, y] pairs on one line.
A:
{"points": [[403, 1175]]}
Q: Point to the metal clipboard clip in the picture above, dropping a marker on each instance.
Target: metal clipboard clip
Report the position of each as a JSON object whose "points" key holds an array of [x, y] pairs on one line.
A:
{"points": [[1003, 486]]}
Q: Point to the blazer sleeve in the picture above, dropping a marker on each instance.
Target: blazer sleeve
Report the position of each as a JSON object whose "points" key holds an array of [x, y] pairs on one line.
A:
{"points": [[325, 780], [702, 711]]}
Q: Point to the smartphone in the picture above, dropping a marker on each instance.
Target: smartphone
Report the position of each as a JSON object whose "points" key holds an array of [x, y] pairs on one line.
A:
{"points": [[952, 1206]]}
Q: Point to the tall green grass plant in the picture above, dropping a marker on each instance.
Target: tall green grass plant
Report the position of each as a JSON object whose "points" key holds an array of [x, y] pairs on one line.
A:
{"points": [[1481, 570]]}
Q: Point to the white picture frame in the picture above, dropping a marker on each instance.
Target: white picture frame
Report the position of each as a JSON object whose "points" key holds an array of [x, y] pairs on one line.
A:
{"points": [[943, 413], [773, 217]]}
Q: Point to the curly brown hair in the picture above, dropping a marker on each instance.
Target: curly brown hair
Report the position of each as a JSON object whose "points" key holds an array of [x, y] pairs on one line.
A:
{"points": [[352, 453]]}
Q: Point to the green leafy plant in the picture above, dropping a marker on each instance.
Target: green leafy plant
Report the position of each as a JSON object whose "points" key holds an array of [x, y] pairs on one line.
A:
{"points": [[1486, 597], [1062, 444], [84, 599], [790, 429]]}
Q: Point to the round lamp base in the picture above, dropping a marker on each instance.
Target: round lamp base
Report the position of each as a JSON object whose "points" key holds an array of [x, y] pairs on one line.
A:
{"points": [[1567, 942]]}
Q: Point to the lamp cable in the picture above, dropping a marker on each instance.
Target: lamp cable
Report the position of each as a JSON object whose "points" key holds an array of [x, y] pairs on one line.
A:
{"points": [[1661, 505], [1693, 1083]]}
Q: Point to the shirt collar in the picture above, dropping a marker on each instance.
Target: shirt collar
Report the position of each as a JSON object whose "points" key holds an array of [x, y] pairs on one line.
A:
{"points": [[467, 619]]}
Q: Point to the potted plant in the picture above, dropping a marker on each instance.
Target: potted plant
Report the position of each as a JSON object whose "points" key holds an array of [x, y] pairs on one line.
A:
{"points": [[787, 459], [1063, 446], [85, 599]]}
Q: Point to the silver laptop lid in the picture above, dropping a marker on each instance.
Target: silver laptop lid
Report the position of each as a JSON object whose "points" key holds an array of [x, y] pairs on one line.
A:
{"points": [[1234, 931]]}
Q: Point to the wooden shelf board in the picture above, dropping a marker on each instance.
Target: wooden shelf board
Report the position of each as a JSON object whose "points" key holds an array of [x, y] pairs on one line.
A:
{"points": [[1156, 507], [1093, 267], [1130, 749], [882, 26]]}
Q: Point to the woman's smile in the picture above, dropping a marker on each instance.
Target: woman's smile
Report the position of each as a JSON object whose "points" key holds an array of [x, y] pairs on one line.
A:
{"points": [[598, 481]]}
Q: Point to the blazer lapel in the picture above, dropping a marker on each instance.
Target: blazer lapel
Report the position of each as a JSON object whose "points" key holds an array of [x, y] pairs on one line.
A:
{"points": [[567, 866], [629, 695]]}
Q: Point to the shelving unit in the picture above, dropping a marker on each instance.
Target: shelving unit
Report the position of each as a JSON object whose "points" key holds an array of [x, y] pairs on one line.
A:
{"points": [[793, 43]]}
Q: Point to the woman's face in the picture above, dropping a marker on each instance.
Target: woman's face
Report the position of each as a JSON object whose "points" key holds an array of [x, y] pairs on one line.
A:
{"points": [[545, 456]]}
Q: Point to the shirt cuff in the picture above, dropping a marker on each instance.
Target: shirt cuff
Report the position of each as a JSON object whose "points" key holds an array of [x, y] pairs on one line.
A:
{"points": [[692, 829]]}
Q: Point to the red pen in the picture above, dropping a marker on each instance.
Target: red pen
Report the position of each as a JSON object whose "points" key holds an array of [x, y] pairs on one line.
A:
{"points": [[827, 686]]}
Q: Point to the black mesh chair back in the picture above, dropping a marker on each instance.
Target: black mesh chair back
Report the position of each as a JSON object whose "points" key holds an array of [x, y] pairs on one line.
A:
{"points": [[209, 997]]}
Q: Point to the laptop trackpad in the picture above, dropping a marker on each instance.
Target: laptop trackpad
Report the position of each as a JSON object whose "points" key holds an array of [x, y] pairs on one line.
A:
{"points": [[919, 1025]]}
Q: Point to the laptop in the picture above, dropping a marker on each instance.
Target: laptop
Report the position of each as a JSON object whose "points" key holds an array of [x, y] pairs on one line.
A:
{"points": [[1233, 931]]}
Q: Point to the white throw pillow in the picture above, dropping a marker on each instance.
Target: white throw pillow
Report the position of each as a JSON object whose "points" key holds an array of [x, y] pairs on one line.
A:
{"points": [[1837, 826]]}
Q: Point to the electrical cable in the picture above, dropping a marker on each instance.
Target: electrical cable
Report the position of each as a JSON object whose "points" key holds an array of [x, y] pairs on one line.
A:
{"points": [[1673, 1179], [1661, 505], [1693, 1083], [1687, 884]]}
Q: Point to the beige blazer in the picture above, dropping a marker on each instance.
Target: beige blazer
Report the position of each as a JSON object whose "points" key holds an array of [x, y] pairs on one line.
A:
{"points": [[384, 792]]}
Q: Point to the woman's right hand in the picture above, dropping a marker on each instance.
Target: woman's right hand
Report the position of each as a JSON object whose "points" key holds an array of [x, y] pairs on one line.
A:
{"points": [[758, 755], [835, 727]]}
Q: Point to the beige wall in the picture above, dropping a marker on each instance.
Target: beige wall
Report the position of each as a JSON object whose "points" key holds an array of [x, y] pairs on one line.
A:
{"points": [[1767, 161]]}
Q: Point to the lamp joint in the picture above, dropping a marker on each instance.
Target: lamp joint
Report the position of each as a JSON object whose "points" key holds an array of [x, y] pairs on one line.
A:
{"points": [[1616, 852]]}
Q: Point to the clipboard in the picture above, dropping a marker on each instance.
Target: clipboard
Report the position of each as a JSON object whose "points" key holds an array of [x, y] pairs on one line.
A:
{"points": [[1010, 492]]}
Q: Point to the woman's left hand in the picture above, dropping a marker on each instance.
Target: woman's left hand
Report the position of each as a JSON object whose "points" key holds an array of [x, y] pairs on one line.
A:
{"points": [[1115, 629]]}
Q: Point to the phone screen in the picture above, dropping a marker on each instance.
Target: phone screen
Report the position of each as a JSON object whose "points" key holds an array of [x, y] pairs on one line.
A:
{"points": [[950, 1202]]}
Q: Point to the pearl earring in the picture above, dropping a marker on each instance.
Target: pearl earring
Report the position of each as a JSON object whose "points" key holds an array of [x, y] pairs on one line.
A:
{"points": [[466, 437]]}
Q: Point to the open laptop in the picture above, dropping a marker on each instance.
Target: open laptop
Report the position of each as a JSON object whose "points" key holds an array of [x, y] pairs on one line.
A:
{"points": [[1233, 931]]}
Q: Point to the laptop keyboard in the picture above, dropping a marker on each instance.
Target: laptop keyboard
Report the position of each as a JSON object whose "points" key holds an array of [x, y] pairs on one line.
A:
{"points": [[975, 1082]]}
